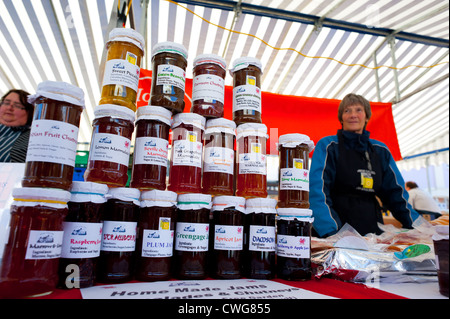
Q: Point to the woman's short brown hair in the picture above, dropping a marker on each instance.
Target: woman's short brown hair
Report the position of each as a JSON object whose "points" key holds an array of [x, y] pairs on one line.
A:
{"points": [[354, 99], [23, 96]]}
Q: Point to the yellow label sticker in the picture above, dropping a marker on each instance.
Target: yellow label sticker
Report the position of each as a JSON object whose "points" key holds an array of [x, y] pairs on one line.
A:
{"points": [[251, 80], [132, 58], [256, 148], [164, 224], [192, 137], [298, 163], [366, 181]]}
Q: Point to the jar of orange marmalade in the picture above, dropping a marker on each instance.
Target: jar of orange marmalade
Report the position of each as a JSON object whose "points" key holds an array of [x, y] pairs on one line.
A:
{"points": [[246, 74], [169, 62], [218, 161], [151, 148], [53, 140], [251, 168], [294, 170], [123, 61], [208, 85], [31, 255], [185, 175], [109, 153]]}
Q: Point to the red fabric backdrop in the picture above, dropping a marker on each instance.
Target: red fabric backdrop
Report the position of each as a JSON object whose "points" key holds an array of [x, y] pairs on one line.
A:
{"points": [[284, 114]]}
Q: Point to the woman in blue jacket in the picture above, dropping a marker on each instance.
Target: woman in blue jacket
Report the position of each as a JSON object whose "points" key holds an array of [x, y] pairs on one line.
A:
{"points": [[349, 170]]}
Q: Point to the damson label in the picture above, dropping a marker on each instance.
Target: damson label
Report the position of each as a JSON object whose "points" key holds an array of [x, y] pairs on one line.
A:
{"points": [[262, 238]]}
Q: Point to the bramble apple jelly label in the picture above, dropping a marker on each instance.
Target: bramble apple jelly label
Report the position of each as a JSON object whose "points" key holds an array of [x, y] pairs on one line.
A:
{"points": [[293, 246]]}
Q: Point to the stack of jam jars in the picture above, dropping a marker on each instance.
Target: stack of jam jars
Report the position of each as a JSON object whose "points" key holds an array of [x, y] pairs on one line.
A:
{"points": [[113, 125], [109, 155], [294, 220], [31, 256]]}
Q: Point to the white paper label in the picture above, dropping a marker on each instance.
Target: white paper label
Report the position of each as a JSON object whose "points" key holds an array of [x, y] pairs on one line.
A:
{"points": [[81, 240], [151, 151], [208, 87], [293, 246], [262, 238], [119, 236], [110, 148], [218, 160], [247, 97], [192, 237], [294, 179], [170, 75], [187, 152], [228, 237], [157, 243], [53, 142], [122, 72], [254, 162], [44, 244]]}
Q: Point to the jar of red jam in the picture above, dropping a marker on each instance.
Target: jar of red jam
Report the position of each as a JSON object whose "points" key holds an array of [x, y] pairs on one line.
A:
{"points": [[228, 223], [151, 148], [53, 140], [156, 225], [82, 235], [218, 159], [251, 166], [192, 236], [259, 238], [109, 153], [169, 62], [185, 175], [120, 218], [246, 74], [208, 85], [294, 243], [31, 256], [293, 188], [125, 50]]}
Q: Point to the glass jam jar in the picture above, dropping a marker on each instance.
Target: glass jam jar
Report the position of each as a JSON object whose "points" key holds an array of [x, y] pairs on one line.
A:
{"points": [[251, 167], [120, 218], [246, 74], [169, 62], [208, 85], [156, 226], [82, 235], [125, 48], [294, 243], [109, 153], [185, 174], [192, 236], [218, 159], [259, 238], [228, 222], [293, 188], [53, 140], [151, 148], [31, 256]]}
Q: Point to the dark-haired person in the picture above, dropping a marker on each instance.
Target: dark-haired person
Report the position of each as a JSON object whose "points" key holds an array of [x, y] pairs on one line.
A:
{"points": [[16, 115], [421, 201], [349, 170]]}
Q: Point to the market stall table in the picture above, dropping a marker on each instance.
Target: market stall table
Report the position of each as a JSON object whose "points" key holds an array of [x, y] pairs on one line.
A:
{"points": [[310, 289]]}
